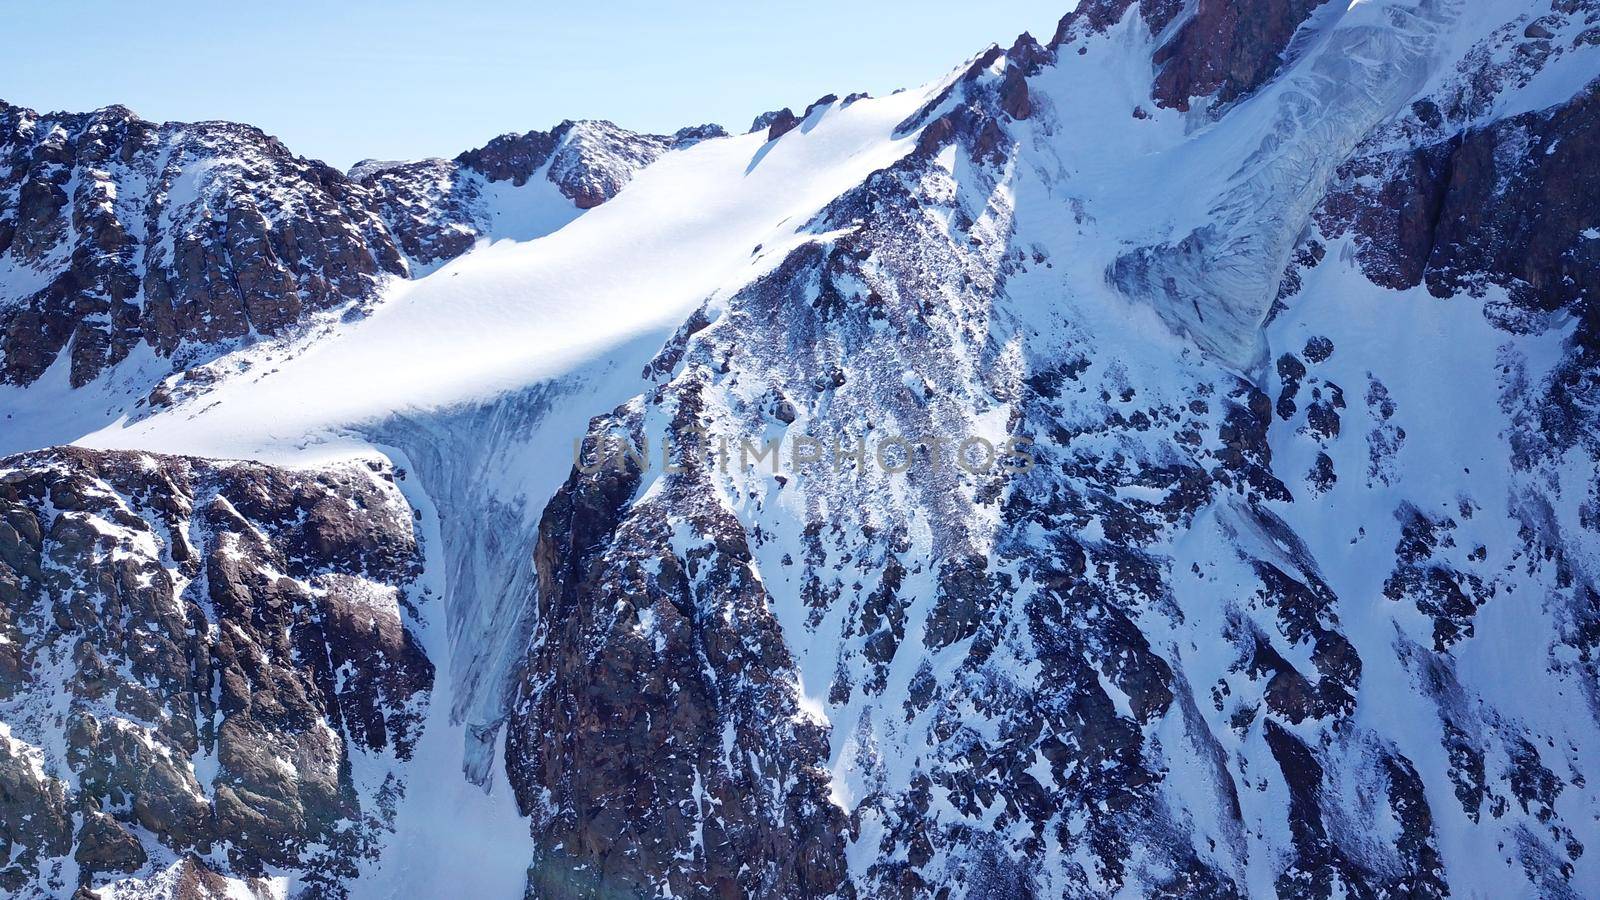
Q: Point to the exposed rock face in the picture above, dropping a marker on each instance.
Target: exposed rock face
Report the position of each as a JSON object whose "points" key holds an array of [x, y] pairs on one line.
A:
{"points": [[1455, 213], [1226, 49], [1451, 198], [1097, 16], [171, 235], [659, 740], [512, 157], [1221, 50], [588, 161], [439, 208], [765, 120], [595, 159], [1301, 599], [779, 123], [1144, 666], [435, 209], [971, 106], [962, 775], [201, 658]]}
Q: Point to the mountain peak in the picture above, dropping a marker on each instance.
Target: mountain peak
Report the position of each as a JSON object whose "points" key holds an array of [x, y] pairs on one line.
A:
{"points": [[1158, 462]]}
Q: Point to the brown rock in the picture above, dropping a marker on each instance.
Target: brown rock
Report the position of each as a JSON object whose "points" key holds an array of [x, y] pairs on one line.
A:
{"points": [[1227, 49], [265, 669], [782, 123], [1014, 94], [105, 846]]}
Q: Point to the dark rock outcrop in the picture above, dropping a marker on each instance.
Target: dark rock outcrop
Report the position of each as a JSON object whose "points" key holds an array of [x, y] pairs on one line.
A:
{"points": [[1511, 204], [194, 652], [1096, 16], [658, 741], [780, 123], [172, 236], [1226, 49], [1220, 636], [589, 161], [1220, 49], [1024, 675], [438, 209]]}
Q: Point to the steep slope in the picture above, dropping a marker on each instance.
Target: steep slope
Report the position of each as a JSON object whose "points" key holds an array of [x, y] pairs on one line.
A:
{"points": [[587, 358], [1211, 643], [1216, 278], [564, 325], [1289, 590]]}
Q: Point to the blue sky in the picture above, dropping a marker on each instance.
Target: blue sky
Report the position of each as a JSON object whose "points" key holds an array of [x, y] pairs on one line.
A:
{"points": [[343, 81]]}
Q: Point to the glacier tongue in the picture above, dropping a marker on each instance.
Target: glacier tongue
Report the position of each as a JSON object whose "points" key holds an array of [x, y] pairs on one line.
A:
{"points": [[488, 469], [1218, 282]]}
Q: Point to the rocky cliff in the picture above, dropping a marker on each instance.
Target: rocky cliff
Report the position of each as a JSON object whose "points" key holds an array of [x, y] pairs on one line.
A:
{"points": [[1169, 659], [119, 233], [1292, 592], [206, 668]]}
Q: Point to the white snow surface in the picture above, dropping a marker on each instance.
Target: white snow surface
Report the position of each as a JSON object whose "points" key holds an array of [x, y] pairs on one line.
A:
{"points": [[452, 837]]}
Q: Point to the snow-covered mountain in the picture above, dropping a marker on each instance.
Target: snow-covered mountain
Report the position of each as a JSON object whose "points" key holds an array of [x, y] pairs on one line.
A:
{"points": [[148, 249], [1294, 308]]}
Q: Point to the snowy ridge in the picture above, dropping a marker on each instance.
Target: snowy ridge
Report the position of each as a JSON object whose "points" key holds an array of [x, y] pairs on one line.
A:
{"points": [[136, 255], [686, 227]]}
